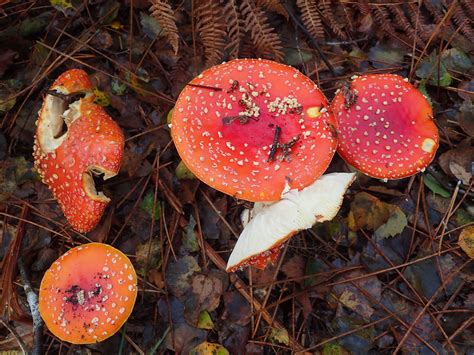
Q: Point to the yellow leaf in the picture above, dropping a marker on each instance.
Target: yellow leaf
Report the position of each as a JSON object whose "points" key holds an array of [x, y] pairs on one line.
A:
{"points": [[466, 241], [209, 349], [101, 97], [279, 336]]}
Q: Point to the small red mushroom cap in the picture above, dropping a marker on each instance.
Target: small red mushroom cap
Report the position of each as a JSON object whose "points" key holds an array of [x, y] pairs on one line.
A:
{"points": [[386, 127], [88, 293], [249, 126], [93, 144]]}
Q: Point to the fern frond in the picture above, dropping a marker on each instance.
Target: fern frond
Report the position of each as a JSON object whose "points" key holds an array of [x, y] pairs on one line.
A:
{"points": [[311, 18], [272, 5], [463, 21], [469, 5], [211, 29], [235, 27], [161, 10], [263, 36], [328, 15]]}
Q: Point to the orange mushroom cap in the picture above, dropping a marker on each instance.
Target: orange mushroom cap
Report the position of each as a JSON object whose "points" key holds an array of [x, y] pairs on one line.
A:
{"points": [[249, 126], [93, 144], [88, 293], [386, 127]]}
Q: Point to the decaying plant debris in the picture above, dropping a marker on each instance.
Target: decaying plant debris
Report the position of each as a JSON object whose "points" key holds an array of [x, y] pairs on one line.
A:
{"points": [[386, 275]]}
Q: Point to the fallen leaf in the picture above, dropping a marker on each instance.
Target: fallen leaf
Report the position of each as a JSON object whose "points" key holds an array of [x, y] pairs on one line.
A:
{"points": [[279, 336], [369, 212], [183, 173], [466, 241], [207, 348], [179, 274], [457, 163], [395, 224], [433, 184], [205, 321], [294, 267]]}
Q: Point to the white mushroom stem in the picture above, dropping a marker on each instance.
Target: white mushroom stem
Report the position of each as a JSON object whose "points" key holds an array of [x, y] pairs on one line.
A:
{"points": [[272, 224]]}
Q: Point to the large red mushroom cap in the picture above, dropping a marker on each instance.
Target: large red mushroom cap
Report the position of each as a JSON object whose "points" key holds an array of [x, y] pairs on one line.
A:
{"points": [[249, 126], [272, 224], [88, 293], [93, 144], [386, 127]]}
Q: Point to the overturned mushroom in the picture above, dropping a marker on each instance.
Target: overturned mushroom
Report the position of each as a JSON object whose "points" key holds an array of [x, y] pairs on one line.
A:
{"points": [[92, 145]]}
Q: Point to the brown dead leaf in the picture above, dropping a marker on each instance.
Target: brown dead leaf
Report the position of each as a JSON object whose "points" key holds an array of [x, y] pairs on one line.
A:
{"points": [[208, 290], [294, 267], [457, 163], [367, 211]]}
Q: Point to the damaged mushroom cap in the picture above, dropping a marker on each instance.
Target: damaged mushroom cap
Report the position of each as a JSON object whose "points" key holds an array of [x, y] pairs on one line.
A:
{"points": [[249, 126], [88, 293], [272, 224], [92, 144], [386, 127]]}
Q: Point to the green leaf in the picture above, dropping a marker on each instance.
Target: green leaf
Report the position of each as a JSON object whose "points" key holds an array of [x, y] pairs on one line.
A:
{"points": [[422, 89], [334, 349], [190, 242], [383, 56], [395, 225], [205, 321], [434, 185], [183, 173], [33, 25], [118, 87], [151, 27], [147, 205], [433, 69], [456, 60]]}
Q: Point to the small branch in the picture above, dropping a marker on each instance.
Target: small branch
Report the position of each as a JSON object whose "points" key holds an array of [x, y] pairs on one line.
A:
{"points": [[17, 336], [274, 147], [32, 299]]}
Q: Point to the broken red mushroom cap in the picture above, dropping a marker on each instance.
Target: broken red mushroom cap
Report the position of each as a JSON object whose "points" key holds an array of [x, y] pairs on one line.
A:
{"points": [[272, 224], [88, 293], [386, 127], [249, 126], [92, 144]]}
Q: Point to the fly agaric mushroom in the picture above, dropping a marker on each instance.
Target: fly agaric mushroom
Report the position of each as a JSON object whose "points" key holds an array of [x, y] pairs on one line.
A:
{"points": [[88, 293], [386, 127], [92, 145], [255, 129], [248, 127], [264, 235]]}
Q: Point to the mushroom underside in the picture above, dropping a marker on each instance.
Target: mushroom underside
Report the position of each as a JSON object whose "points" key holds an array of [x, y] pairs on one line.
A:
{"points": [[272, 224], [92, 180], [56, 116]]}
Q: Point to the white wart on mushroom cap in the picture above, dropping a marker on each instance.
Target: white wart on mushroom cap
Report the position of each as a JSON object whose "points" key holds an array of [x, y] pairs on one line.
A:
{"points": [[386, 127], [272, 224], [249, 127], [88, 293]]}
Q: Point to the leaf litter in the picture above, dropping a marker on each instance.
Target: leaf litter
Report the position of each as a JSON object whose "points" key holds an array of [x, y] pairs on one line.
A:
{"points": [[356, 284]]}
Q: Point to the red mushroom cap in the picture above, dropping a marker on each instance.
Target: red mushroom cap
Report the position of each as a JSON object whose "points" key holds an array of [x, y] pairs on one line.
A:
{"points": [[386, 127], [93, 144], [88, 293], [247, 127]]}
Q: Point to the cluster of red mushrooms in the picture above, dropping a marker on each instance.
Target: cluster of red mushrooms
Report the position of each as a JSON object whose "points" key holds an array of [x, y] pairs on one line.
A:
{"points": [[254, 129]]}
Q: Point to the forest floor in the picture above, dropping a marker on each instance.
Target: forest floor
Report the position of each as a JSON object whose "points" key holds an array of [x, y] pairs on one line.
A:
{"points": [[397, 281]]}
